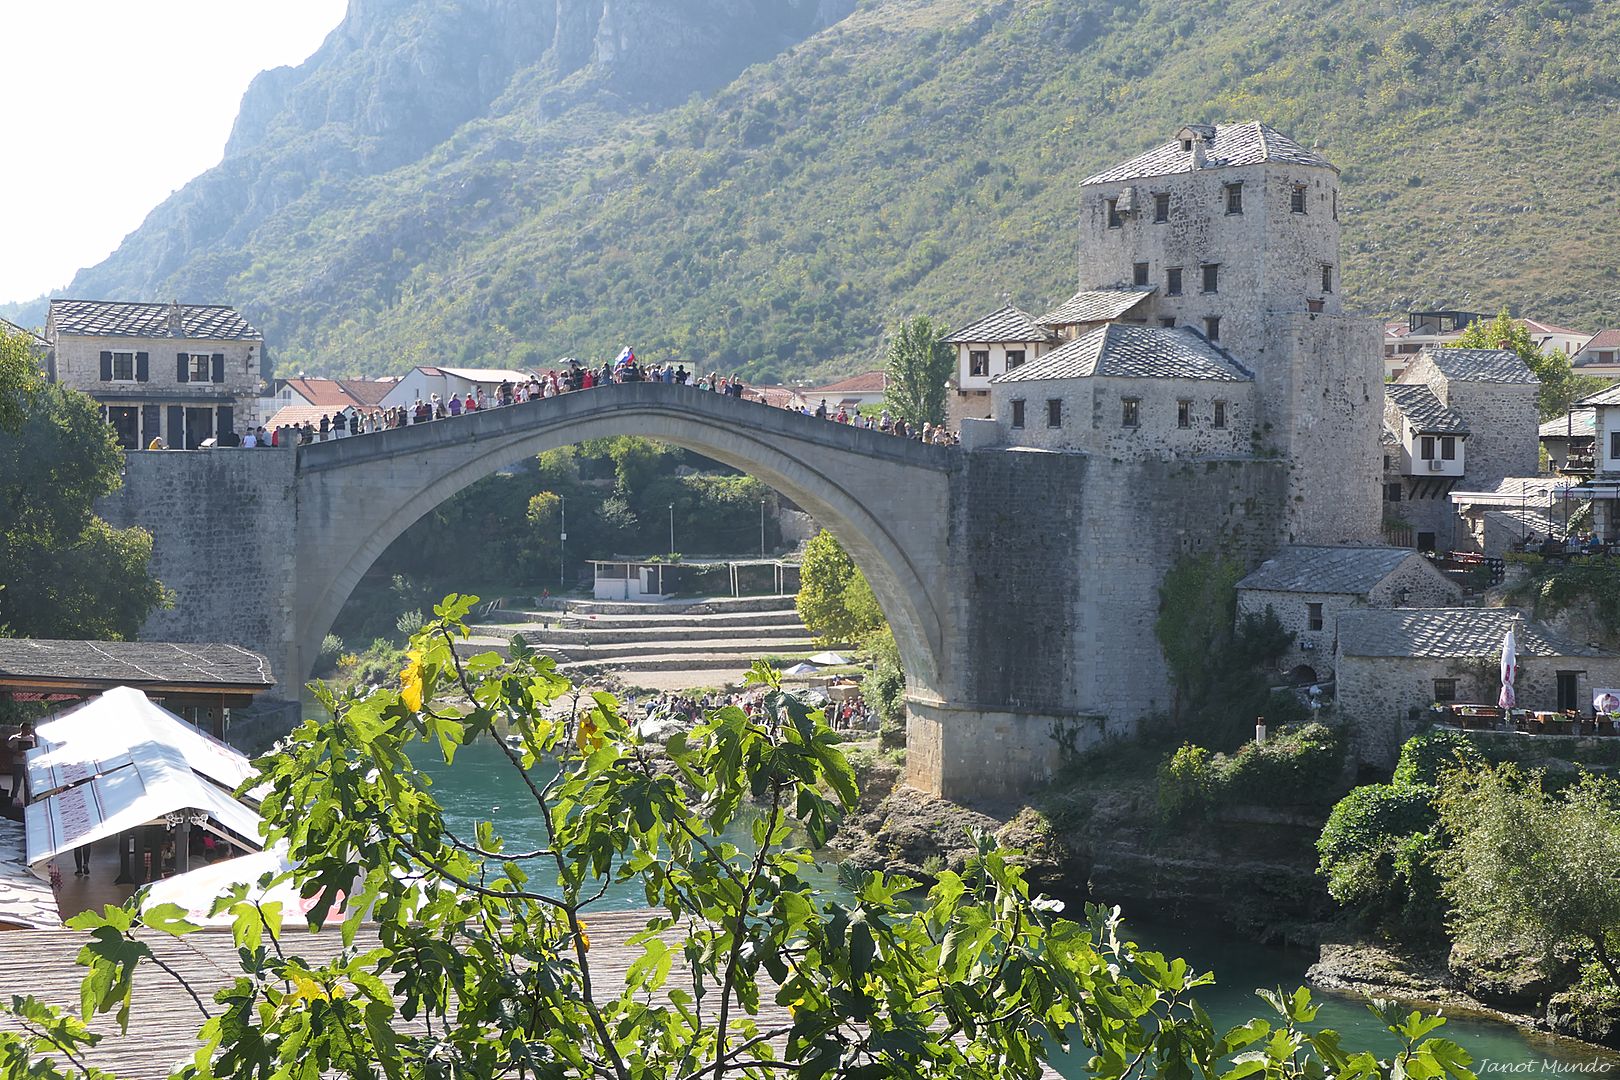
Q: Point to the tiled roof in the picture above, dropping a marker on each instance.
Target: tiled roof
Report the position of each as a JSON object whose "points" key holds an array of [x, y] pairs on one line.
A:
{"points": [[368, 391], [867, 382], [132, 663], [289, 415], [1604, 339], [1480, 365], [1139, 352], [1547, 328], [116, 318], [1231, 145], [1327, 569], [326, 392], [1577, 423], [1472, 633], [12, 328], [1007, 324], [1097, 305], [1423, 410], [1611, 396], [484, 375]]}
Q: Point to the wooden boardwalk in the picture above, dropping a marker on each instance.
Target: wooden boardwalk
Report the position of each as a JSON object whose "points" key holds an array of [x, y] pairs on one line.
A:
{"points": [[163, 1018]]}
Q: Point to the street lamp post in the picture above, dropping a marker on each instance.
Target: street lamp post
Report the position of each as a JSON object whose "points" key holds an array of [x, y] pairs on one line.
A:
{"points": [[672, 528], [562, 547], [762, 528]]}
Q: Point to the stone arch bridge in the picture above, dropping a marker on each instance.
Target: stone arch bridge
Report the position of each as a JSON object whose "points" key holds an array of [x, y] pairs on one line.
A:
{"points": [[973, 556]]}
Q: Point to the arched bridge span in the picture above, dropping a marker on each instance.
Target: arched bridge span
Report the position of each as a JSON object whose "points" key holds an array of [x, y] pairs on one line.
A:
{"points": [[887, 500]]}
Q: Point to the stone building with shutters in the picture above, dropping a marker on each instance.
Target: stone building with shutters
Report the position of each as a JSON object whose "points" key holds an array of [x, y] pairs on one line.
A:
{"points": [[182, 372]]}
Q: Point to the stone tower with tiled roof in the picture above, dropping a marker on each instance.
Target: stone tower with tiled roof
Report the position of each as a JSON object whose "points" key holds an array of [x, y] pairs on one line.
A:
{"points": [[1236, 229]]}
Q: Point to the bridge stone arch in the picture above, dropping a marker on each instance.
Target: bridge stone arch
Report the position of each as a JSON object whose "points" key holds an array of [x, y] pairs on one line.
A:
{"points": [[887, 500]]}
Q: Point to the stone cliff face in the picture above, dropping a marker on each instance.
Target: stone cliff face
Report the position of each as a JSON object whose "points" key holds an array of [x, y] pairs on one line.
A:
{"points": [[399, 77]]}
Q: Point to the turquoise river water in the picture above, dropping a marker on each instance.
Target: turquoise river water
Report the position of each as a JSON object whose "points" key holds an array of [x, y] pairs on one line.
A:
{"points": [[483, 785]]}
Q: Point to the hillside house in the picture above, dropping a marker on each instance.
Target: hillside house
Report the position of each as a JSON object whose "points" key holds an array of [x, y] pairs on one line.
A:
{"points": [[867, 388], [1393, 664], [1460, 419], [1000, 342], [1600, 356], [182, 372], [306, 400], [1422, 330], [423, 383], [1308, 588]]}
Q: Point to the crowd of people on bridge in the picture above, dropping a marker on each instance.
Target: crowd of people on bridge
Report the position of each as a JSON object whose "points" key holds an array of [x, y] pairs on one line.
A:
{"points": [[569, 377]]}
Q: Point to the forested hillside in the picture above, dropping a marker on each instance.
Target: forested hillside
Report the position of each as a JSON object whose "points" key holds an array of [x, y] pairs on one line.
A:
{"points": [[912, 156]]}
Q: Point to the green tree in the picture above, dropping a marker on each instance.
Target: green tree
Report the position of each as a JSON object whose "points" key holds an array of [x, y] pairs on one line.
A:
{"points": [[1560, 388], [1529, 866], [65, 573], [19, 379], [835, 601], [483, 964], [919, 364]]}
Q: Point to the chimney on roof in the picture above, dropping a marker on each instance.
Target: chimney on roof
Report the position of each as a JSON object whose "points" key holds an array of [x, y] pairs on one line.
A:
{"points": [[176, 328], [1195, 139]]}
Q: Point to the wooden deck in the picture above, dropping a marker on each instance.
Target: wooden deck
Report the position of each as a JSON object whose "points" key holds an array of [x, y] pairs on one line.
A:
{"points": [[163, 1018]]}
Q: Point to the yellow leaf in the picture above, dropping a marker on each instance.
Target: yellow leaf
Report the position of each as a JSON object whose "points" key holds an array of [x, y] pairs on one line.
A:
{"points": [[586, 736], [410, 682], [584, 938]]}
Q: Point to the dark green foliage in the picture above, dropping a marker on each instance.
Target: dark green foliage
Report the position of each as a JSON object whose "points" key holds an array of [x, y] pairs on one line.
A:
{"points": [[919, 364], [1296, 767], [1217, 661], [19, 379], [1377, 853], [885, 687], [65, 573], [1429, 753], [1553, 587]]}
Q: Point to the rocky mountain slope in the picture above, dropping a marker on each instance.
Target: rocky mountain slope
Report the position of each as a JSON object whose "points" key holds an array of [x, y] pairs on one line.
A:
{"points": [[766, 184]]}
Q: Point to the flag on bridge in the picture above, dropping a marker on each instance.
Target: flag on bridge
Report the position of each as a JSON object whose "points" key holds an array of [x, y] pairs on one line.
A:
{"points": [[626, 356]]}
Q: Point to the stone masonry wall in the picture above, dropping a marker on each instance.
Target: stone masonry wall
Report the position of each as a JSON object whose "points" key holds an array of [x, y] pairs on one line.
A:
{"points": [[1376, 694], [222, 529], [1092, 414], [1270, 258]]}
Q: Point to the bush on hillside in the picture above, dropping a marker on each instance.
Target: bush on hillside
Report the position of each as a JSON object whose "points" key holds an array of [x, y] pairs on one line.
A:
{"points": [[1296, 767], [1429, 753], [1378, 852]]}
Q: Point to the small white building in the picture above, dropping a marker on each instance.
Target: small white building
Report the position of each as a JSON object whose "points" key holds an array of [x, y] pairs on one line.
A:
{"points": [[1600, 356], [422, 383], [1000, 342], [867, 388]]}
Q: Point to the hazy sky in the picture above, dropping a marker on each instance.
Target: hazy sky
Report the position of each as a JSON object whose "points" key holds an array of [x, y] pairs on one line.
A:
{"points": [[108, 106]]}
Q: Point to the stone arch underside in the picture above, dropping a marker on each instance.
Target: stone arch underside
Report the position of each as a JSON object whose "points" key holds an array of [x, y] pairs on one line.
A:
{"points": [[891, 516]]}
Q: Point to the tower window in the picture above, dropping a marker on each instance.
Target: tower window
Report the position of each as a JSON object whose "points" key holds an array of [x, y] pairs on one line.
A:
{"points": [[1335, 204], [1018, 413], [1313, 616], [1172, 281], [1218, 419], [1212, 327], [1139, 274], [1168, 322], [1183, 413], [1130, 413], [1212, 277], [1161, 206], [1327, 279], [1054, 412], [1296, 199], [1114, 220], [1313, 306], [1234, 198]]}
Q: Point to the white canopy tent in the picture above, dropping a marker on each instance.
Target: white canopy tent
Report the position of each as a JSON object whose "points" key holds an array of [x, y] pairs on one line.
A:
{"points": [[196, 891], [99, 737], [157, 785]]}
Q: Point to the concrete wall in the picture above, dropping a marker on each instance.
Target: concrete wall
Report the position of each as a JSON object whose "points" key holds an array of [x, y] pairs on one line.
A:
{"points": [[1093, 413], [222, 525], [1376, 694]]}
